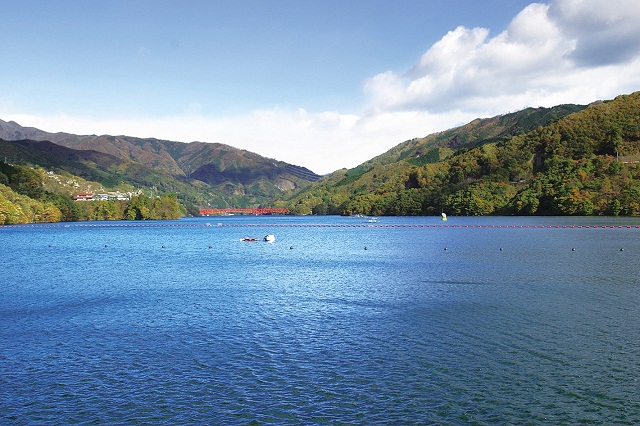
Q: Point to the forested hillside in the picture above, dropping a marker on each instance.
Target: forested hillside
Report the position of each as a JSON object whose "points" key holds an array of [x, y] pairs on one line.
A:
{"points": [[585, 163], [32, 195]]}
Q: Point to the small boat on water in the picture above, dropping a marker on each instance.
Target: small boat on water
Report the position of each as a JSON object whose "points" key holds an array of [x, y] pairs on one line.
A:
{"points": [[372, 220], [267, 238]]}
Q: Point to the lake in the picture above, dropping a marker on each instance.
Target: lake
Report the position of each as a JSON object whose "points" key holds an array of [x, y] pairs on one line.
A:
{"points": [[492, 320]]}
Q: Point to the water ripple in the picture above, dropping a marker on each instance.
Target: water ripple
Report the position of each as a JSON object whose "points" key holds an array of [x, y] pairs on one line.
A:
{"points": [[314, 329]]}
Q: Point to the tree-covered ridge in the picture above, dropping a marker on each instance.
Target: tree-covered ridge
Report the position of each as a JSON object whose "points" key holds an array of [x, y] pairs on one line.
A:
{"points": [[27, 197], [583, 164], [438, 146]]}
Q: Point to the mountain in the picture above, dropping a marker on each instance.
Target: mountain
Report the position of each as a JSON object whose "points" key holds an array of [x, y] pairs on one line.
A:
{"points": [[569, 159], [435, 147], [211, 174]]}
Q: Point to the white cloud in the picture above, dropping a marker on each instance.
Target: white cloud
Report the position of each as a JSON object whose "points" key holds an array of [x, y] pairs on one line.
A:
{"points": [[571, 51], [605, 32]]}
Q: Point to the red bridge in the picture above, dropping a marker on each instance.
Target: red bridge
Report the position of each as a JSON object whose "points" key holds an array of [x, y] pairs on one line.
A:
{"points": [[256, 210]]}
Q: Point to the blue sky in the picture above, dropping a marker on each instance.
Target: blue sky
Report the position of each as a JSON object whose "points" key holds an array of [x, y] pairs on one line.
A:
{"points": [[322, 84]]}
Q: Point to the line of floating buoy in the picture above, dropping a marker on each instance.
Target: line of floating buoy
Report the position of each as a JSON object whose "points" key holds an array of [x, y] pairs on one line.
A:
{"points": [[305, 225], [366, 248], [403, 226], [103, 225]]}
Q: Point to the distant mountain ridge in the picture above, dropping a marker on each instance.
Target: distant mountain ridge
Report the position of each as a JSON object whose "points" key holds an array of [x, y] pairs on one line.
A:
{"points": [[236, 177], [174, 157]]}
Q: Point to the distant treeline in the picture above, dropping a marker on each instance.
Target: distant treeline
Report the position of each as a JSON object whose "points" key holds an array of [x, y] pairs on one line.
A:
{"points": [[23, 199]]}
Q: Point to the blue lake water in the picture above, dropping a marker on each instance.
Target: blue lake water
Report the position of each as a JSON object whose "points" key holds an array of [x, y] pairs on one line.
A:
{"points": [[470, 321]]}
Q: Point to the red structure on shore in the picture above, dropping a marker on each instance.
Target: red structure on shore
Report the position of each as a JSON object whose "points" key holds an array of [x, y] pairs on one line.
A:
{"points": [[256, 210]]}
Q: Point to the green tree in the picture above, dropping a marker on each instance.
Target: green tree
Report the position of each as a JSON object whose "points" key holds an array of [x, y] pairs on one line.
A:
{"points": [[49, 213], [10, 213], [480, 198], [138, 208], [167, 207], [407, 203]]}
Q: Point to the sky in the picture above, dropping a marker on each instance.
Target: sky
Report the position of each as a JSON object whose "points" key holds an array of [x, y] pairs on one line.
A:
{"points": [[324, 84]]}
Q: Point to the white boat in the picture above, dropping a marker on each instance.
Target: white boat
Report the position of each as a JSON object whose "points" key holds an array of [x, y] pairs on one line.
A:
{"points": [[269, 238], [372, 220]]}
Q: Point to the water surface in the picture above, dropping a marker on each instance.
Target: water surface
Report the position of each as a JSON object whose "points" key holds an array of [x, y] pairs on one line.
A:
{"points": [[408, 320]]}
